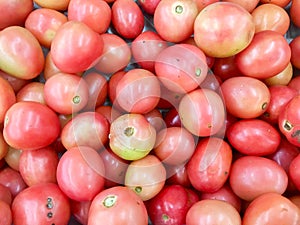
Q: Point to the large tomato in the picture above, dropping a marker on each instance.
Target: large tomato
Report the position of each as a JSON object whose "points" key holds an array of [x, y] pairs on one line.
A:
{"points": [[223, 29], [30, 125], [47, 204]]}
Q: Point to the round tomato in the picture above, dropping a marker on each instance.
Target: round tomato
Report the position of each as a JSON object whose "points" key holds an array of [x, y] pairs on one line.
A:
{"points": [[7, 98], [33, 91], [30, 125], [57, 5], [5, 213]]}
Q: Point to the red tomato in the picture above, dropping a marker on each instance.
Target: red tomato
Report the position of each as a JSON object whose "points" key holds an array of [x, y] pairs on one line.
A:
{"points": [[245, 97], [174, 145], [76, 47], [248, 5], [5, 194], [172, 118], [86, 129], [220, 212], [178, 175], [155, 118], [202, 112], [14, 12], [127, 18], [294, 11], [80, 210], [13, 180], [15, 82], [271, 17], [288, 121], [57, 5], [254, 61], [30, 125], [66, 93], [5, 213], [118, 205], [203, 3], [38, 166], [43, 23], [295, 51], [209, 167], [109, 112], [33, 91], [281, 3], [146, 47], [253, 137], [169, 206], [116, 54], [12, 158], [226, 68], [181, 67], [223, 29], [94, 13], [7, 98], [17, 47], [138, 91], [294, 171], [252, 176], [271, 209], [180, 15], [149, 6], [47, 204], [80, 173], [146, 177]]}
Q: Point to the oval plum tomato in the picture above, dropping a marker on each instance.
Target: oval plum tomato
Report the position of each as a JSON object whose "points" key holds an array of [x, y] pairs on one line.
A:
{"points": [[181, 67], [174, 145], [5, 213], [138, 91], [209, 167], [289, 121], [38, 166], [155, 118], [146, 177], [169, 206], [127, 18], [43, 24], [33, 91], [94, 13], [280, 95], [271, 17], [86, 129], [19, 9], [116, 54], [56, 5], [172, 118], [149, 6], [7, 98], [180, 14], [220, 212], [254, 60], [30, 125], [80, 210], [66, 93], [47, 204], [76, 47], [17, 46], [13, 180], [252, 176], [131, 136], [80, 173], [249, 6], [118, 205], [253, 137], [202, 112], [5, 194], [177, 174], [294, 83], [245, 97], [226, 68], [223, 29], [295, 51], [294, 12], [146, 47], [294, 171], [271, 209]]}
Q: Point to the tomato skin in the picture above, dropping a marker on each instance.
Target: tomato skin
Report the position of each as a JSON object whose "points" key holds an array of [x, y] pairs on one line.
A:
{"points": [[5, 213], [43, 24], [220, 212], [282, 78], [223, 29], [294, 171], [80, 173], [7, 98], [56, 5], [245, 97], [30, 125], [80, 210], [91, 12], [271, 209], [254, 60], [294, 12], [76, 47], [295, 51], [253, 137], [209, 167], [249, 6], [281, 3], [118, 206], [252, 176], [17, 46], [5, 194], [149, 6], [33, 91], [47, 204], [127, 18], [180, 14]]}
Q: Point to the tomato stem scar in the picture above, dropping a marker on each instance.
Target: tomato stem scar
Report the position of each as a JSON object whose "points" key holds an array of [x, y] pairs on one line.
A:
{"points": [[110, 201], [76, 99], [129, 131], [179, 9]]}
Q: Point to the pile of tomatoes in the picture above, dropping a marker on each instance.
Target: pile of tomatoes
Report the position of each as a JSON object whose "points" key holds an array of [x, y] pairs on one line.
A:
{"points": [[150, 112]]}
